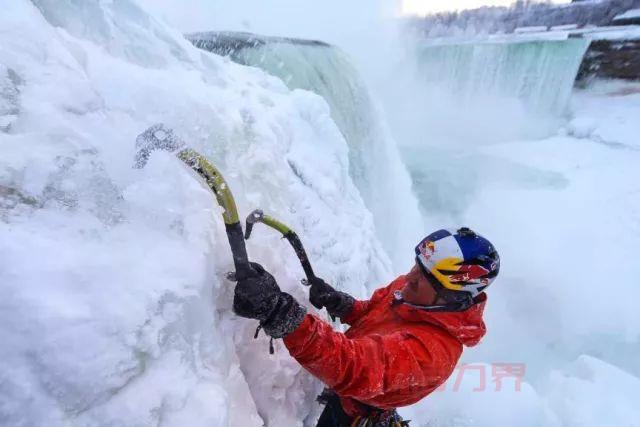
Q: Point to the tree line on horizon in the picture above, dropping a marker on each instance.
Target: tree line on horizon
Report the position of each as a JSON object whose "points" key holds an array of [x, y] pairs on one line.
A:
{"points": [[523, 13]]}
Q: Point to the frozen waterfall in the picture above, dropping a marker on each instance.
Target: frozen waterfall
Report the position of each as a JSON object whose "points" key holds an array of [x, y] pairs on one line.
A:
{"points": [[454, 93], [374, 163], [538, 73]]}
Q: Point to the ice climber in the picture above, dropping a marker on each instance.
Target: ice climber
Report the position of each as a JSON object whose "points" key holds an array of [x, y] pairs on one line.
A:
{"points": [[402, 343]]}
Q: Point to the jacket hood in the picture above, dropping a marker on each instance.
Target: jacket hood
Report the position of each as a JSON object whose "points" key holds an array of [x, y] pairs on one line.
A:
{"points": [[466, 326]]}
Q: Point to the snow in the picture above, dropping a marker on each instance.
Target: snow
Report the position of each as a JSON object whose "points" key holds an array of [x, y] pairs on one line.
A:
{"points": [[530, 34], [564, 27], [472, 398], [625, 32], [576, 394], [374, 162], [534, 29], [631, 13], [114, 306], [511, 38], [616, 125], [561, 211]]}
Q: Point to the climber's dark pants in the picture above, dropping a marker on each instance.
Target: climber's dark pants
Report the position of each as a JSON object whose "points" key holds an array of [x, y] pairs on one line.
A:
{"points": [[333, 414]]}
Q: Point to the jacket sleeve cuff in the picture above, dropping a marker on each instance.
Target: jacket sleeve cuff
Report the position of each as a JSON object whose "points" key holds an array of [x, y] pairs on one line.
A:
{"points": [[301, 333], [287, 316], [358, 309]]}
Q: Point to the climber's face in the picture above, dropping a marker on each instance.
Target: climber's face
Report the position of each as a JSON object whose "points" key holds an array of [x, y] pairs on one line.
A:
{"points": [[418, 289]]}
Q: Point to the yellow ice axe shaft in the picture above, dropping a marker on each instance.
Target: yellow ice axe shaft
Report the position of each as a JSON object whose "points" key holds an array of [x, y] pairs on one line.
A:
{"points": [[159, 137]]}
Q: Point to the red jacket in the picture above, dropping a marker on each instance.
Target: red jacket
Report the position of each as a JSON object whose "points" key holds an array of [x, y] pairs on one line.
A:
{"points": [[391, 355]]}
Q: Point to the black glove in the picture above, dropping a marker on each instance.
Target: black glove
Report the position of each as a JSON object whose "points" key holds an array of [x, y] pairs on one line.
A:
{"points": [[259, 297], [337, 303]]}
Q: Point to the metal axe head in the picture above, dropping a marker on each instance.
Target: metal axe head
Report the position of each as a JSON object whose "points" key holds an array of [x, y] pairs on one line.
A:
{"points": [[255, 216], [157, 137]]}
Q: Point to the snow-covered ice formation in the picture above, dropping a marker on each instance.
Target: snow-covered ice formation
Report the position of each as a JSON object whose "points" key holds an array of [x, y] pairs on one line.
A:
{"points": [[113, 303]]}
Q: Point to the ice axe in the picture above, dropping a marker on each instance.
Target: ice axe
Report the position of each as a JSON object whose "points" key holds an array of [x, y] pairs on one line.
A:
{"points": [[159, 137], [259, 216]]}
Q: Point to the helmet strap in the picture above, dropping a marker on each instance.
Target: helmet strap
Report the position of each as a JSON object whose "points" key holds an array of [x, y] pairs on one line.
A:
{"points": [[447, 306], [454, 300], [463, 299]]}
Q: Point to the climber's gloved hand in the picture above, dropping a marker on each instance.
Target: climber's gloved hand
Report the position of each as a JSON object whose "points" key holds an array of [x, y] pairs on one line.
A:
{"points": [[259, 297], [337, 303]]}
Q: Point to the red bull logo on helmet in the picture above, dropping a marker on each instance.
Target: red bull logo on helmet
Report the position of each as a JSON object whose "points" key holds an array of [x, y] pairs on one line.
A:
{"points": [[467, 273], [427, 249]]}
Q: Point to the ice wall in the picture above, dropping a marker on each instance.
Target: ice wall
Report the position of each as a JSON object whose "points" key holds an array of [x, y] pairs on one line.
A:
{"points": [[113, 304], [374, 161]]}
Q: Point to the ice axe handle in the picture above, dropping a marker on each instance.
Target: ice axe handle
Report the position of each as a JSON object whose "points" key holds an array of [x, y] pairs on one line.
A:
{"points": [[259, 216], [248, 229], [295, 242], [256, 216], [239, 251]]}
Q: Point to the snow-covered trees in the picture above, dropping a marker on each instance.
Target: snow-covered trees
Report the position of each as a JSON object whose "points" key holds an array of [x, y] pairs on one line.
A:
{"points": [[523, 13]]}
